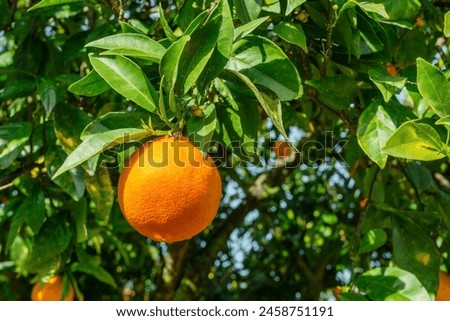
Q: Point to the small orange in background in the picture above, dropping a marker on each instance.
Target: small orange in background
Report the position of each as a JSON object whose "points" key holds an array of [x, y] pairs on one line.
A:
{"points": [[282, 149], [392, 69], [169, 191], [443, 293], [51, 291]]}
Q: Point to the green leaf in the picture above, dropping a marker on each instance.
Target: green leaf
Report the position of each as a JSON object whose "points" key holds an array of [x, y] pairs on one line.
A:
{"points": [[72, 182], [201, 128], [96, 271], [292, 33], [419, 175], [34, 208], [271, 105], [48, 3], [391, 284], [348, 296], [171, 61], [387, 85], [367, 7], [79, 212], [400, 12], [127, 78], [165, 24], [376, 125], [99, 188], [447, 24], [120, 120], [13, 137], [91, 85], [51, 241], [415, 251], [414, 140], [291, 5], [97, 143], [264, 63], [248, 10], [434, 87], [338, 92], [246, 29], [47, 91], [373, 240], [132, 45], [444, 121]]}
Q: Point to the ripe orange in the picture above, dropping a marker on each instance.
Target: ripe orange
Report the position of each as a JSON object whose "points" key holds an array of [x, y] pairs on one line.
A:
{"points": [[443, 293], [51, 291], [168, 191], [282, 149], [392, 69]]}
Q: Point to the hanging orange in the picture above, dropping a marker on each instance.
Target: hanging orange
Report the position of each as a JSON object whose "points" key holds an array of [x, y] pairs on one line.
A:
{"points": [[168, 191], [51, 291], [282, 149], [443, 293]]}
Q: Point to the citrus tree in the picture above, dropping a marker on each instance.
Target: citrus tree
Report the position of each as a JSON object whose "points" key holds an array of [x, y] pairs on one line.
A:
{"points": [[328, 121]]}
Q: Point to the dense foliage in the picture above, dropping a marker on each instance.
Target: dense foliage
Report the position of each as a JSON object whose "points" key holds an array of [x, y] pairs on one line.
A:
{"points": [[361, 208]]}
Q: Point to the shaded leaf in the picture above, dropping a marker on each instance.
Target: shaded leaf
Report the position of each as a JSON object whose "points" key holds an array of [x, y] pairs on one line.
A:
{"points": [[13, 137], [246, 29], [79, 212], [419, 175], [47, 91], [127, 78], [387, 85], [96, 271], [291, 5], [416, 252], [48, 3], [337, 92], [368, 7], [248, 10], [201, 128], [373, 240], [99, 187], [391, 284]]}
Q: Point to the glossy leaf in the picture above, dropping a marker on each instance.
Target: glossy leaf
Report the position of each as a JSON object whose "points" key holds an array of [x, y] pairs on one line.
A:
{"points": [[165, 24], [248, 10], [48, 3], [127, 78], [132, 45], [13, 137], [368, 7], [376, 125], [246, 29], [387, 85], [94, 144], [201, 127], [292, 33], [415, 251], [265, 64], [373, 240], [444, 121], [171, 61], [391, 284], [91, 85], [414, 140], [434, 87]]}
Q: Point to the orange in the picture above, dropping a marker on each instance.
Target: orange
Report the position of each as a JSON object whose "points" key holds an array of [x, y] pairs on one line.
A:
{"points": [[392, 69], [443, 293], [168, 191], [282, 149], [51, 291]]}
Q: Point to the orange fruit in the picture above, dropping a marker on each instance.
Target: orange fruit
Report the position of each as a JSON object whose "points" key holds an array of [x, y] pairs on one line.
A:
{"points": [[392, 69], [443, 293], [168, 191], [282, 149], [51, 291]]}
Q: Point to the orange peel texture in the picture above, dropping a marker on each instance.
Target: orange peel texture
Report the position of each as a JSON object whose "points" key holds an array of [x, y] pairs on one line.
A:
{"points": [[443, 293], [168, 191], [51, 291]]}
